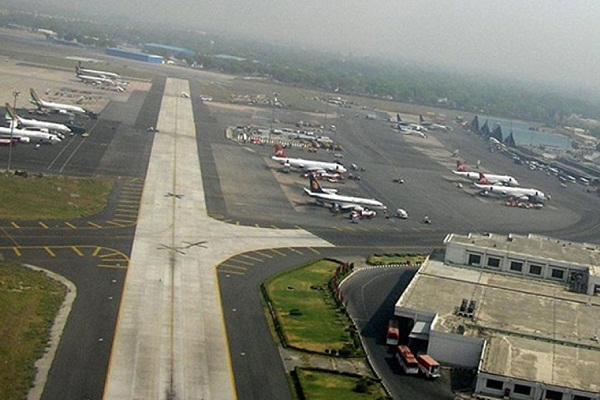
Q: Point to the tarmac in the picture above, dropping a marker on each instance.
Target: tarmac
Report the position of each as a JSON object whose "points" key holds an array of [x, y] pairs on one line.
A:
{"points": [[170, 340]]}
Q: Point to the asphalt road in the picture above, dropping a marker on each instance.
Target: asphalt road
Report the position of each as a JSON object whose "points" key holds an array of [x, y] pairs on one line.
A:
{"points": [[241, 187]]}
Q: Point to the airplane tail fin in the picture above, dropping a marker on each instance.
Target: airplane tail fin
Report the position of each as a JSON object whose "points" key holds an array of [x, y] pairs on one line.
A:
{"points": [[460, 166], [279, 152], [9, 113], [35, 99], [421, 119], [398, 117], [315, 186], [483, 180]]}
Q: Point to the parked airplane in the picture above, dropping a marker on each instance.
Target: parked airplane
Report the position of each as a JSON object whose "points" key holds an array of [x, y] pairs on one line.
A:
{"points": [[308, 165], [409, 126], [529, 194], [432, 125], [33, 136], [339, 202], [57, 107], [92, 72], [96, 80], [410, 131], [34, 123], [506, 180]]}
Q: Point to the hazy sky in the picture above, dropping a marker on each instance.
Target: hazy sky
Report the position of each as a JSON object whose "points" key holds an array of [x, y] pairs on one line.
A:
{"points": [[543, 39]]}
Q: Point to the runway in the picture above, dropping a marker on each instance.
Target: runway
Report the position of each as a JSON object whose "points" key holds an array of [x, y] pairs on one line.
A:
{"points": [[170, 340]]}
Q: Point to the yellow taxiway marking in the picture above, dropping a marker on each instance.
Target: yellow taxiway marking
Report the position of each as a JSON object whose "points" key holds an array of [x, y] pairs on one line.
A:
{"points": [[77, 251], [234, 267], [274, 227], [314, 250], [263, 254], [250, 257], [336, 228], [118, 266], [231, 272], [14, 224], [94, 224], [114, 223], [116, 253], [96, 251], [43, 225], [278, 252], [17, 251], [240, 261], [70, 225], [123, 221], [295, 251], [49, 251]]}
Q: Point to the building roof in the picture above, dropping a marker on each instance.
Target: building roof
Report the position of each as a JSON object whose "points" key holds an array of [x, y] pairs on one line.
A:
{"points": [[172, 49], [583, 254], [536, 330]]}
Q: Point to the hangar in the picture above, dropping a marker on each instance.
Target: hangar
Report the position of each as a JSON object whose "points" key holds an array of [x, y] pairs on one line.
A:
{"points": [[135, 55], [529, 335]]}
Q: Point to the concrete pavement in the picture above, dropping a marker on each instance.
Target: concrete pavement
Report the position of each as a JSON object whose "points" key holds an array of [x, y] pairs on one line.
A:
{"points": [[170, 340]]}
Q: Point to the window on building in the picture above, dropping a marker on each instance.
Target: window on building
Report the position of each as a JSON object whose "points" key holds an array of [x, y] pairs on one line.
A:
{"points": [[535, 269], [558, 273], [580, 397], [493, 262], [494, 384], [522, 389], [474, 259], [553, 395], [516, 266]]}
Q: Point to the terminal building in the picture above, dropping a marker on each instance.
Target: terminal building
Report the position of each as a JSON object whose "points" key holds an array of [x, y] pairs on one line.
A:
{"points": [[523, 310]]}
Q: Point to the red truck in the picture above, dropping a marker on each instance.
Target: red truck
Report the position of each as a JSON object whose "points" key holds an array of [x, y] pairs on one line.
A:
{"points": [[428, 366], [393, 333]]}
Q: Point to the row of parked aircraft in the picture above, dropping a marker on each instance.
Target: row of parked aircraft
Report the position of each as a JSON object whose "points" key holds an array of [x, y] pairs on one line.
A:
{"points": [[102, 78], [419, 129], [500, 185], [323, 196], [26, 130]]}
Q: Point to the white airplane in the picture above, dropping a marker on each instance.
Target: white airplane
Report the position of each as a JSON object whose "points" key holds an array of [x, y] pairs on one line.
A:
{"points": [[92, 72], [339, 202], [410, 131], [34, 123], [96, 80], [409, 126], [57, 107], [23, 134], [505, 180], [307, 165], [528, 194], [433, 126]]}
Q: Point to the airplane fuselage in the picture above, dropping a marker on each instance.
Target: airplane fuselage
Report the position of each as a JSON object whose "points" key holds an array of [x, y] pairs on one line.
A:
{"points": [[34, 136], [493, 178], [345, 202], [52, 126], [310, 165], [505, 191]]}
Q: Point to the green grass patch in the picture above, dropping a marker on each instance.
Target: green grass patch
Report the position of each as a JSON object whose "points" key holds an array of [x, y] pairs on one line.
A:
{"points": [[389, 259], [317, 385], [307, 313], [52, 197], [29, 301]]}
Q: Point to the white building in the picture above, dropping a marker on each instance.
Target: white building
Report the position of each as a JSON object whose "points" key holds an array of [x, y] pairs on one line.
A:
{"points": [[533, 338]]}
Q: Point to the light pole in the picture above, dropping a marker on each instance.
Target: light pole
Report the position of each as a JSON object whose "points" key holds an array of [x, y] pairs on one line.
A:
{"points": [[16, 94]]}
